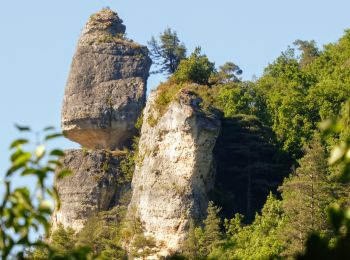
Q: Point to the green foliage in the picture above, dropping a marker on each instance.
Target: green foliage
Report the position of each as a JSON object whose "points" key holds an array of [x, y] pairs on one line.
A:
{"points": [[337, 246], [127, 167], [306, 196], [102, 234], [237, 98], [212, 236], [142, 246], [229, 72], [132, 234], [298, 93], [191, 244], [168, 52], [202, 241], [63, 240], [340, 152], [196, 69], [256, 241], [309, 52], [249, 165], [24, 210], [318, 247], [169, 91]]}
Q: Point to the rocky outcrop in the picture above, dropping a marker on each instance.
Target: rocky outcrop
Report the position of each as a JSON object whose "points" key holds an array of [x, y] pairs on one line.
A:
{"points": [[104, 96], [106, 87], [94, 186], [174, 173]]}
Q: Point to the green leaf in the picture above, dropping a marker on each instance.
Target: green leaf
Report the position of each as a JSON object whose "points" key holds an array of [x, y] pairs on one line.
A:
{"points": [[20, 162], [30, 171], [22, 128], [49, 128], [18, 142], [55, 162], [23, 158], [54, 194], [48, 137], [57, 152], [63, 174], [15, 155]]}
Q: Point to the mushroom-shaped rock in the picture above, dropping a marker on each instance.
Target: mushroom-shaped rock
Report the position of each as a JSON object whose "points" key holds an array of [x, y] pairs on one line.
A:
{"points": [[106, 87]]}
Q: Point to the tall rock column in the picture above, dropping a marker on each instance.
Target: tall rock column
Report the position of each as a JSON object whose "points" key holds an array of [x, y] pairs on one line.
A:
{"points": [[106, 87], [174, 173], [104, 96]]}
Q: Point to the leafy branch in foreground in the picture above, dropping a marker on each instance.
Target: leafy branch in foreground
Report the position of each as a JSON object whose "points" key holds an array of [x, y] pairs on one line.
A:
{"points": [[26, 210]]}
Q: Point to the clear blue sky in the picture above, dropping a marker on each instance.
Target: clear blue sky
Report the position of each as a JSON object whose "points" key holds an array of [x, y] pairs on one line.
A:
{"points": [[38, 39]]}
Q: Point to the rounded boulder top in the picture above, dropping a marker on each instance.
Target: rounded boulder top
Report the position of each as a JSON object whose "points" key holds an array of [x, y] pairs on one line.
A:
{"points": [[105, 21]]}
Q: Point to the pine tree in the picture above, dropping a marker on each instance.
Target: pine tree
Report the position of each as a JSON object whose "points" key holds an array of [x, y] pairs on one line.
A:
{"points": [[143, 246], [191, 246], [168, 52], [63, 240], [306, 195], [210, 236]]}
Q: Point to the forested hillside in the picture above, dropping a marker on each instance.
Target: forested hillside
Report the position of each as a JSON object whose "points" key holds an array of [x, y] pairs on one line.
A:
{"points": [[302, 88], [272, 129]]}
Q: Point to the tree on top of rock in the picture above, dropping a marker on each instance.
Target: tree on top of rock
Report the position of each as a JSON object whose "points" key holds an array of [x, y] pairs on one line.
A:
{"points": [[196, 69], [229, 72], [167, 52]]}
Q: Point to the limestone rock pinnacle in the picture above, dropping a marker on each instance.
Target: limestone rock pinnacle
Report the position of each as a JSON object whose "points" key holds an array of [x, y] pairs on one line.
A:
{"points": [[106, 87], [171, 182]]}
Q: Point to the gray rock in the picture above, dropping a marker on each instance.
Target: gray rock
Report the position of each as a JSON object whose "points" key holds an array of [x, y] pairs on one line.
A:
{"points": [[106, 87], [175, 169], [93, 187]]}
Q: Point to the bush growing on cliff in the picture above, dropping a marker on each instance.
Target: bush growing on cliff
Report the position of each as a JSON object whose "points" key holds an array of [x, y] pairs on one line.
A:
{"points": [[197, 69]]}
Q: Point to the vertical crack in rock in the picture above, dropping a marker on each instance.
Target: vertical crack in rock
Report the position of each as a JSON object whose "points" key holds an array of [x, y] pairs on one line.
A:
{"points": [[174, 172]]}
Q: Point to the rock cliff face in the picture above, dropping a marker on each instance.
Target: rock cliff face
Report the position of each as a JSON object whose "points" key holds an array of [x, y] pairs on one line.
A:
{"points": [[106, 87], [172, 179], [104, 96], [92, 187]]}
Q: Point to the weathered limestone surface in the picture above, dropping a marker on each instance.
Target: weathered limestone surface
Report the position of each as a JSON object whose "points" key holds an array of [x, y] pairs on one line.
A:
{"points": [[174, 175], [91, 188], [106, 87]]}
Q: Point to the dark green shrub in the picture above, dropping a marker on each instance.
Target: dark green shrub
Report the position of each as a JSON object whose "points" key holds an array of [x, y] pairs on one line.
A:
{"points": [[197, 69]]}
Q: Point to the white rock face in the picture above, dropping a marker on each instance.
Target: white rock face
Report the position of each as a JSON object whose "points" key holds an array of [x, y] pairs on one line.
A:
{"points": [[172, 179]]}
